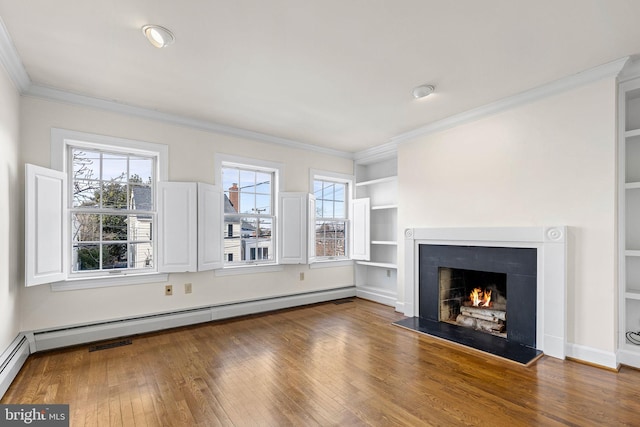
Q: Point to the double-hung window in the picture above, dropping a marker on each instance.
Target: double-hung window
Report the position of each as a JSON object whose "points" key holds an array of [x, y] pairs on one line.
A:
{"points": [[332, 196], [249, 214], [109, 210], [112, 211]]}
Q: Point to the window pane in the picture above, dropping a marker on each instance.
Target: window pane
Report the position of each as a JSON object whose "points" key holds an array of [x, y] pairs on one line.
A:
{"points": [[339, 210], [142, 255], [86, 257], [85, 227], [263, 183], [247, 203], [328, 191], [247, 181], [140, 227], [86, 193], [114, 227], [86, 164], [114, 195], [317, 189], [264, 228], [141, 197], [114, 167], [263, 204], [114, 256], [339, 192], [141, 170], [230, 178], [327, 209]]}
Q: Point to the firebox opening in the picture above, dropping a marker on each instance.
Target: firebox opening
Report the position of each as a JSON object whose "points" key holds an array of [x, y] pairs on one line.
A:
{"points": [[474, 299]]}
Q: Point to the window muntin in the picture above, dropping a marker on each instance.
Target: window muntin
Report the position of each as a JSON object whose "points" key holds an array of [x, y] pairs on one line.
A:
{"points": [[331, 218], [112, 211], [248, 215]]}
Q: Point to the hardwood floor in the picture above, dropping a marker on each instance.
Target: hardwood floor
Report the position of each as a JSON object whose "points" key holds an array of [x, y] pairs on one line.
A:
{"points": [[326, 364]]}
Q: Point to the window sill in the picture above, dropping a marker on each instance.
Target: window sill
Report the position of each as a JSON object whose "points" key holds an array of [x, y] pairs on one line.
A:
{"points": [[330, 263], [107, 282], [248, 269]]}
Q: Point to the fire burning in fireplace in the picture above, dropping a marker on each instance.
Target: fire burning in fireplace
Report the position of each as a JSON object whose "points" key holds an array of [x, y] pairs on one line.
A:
{"points": [[481, 298], [474, 299]]}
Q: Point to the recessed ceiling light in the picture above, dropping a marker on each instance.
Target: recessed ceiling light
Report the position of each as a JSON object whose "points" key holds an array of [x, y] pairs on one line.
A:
{"points": [[158, 36], [422, 91]]}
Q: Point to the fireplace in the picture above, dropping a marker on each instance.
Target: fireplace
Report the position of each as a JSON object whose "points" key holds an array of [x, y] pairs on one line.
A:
{"points": [[521, 269], [473, 299]]}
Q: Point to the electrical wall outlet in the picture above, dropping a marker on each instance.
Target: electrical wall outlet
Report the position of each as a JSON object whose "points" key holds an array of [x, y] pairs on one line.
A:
{"points": [[168, 290], [187, 288], [302, 276]]}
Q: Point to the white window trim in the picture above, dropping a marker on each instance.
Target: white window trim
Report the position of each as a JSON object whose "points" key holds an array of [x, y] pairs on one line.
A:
{"points": [[61, 139], [345, 179], [229, 160]]}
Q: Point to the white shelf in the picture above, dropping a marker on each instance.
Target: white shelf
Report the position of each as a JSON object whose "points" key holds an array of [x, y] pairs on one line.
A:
{"points": [[632, 133], [384, 242], [381, 207], [378, 264], [632, 185], [632, 252], [632, 294], [377, 181]]}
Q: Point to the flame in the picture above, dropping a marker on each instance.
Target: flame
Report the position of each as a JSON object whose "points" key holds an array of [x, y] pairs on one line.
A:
{"points": [[480, 298]]}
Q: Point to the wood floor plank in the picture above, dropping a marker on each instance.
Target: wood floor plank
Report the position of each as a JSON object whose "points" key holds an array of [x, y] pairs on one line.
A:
{"points": [[324, 364]]}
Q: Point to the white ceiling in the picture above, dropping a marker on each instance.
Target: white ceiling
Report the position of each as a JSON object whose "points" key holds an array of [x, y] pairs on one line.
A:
{"points": [[333, 73]]}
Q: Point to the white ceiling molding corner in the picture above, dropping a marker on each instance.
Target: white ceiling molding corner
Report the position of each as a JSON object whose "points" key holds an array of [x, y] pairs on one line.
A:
{"points": [[11, 61], [610, 69], [374, 154]]}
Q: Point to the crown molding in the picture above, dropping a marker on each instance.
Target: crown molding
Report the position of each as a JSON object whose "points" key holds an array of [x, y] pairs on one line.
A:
{"points": [[11, 61], [377, 153], [610, 69], [146, 113]]}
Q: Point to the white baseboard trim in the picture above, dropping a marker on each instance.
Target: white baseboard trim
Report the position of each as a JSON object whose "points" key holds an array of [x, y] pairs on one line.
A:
{"points": [[606, 359], [82, 334], [377, 295], [629, 358], [11, 361], [400, 306]]}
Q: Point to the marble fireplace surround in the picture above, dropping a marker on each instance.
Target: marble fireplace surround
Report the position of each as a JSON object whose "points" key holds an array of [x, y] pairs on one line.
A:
{"points": [[550, 243]]}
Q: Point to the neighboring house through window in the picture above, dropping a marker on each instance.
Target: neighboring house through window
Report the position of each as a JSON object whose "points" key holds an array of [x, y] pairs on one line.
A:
{"points": [[249, 214]]}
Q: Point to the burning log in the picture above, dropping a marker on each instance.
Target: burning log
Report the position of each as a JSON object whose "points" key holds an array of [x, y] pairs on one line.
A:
{"points": [[489, 314], [480, 324]]}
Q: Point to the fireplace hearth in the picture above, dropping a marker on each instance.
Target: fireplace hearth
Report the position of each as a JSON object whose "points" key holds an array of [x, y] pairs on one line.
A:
{"points": [[498, 290]]}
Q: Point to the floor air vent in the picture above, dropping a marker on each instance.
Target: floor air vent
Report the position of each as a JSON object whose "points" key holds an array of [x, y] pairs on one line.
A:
{"points": [[109, 345], [342, 301]]}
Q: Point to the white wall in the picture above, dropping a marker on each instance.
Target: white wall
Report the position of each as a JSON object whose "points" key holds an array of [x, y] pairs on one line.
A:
{"points": [[550, 162], [10, 172], [191, 158]]}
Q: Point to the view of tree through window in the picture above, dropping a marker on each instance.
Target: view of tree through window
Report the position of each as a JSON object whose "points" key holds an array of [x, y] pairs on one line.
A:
{"points": [[112, 210], [248, 215], [331, 221]]}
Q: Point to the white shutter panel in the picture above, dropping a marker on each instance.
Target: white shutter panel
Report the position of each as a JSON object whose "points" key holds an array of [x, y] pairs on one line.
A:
{"points": [[45, 225], [360, 242], [311, 229], [177, 227], [210, 241], [293, 228]]}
